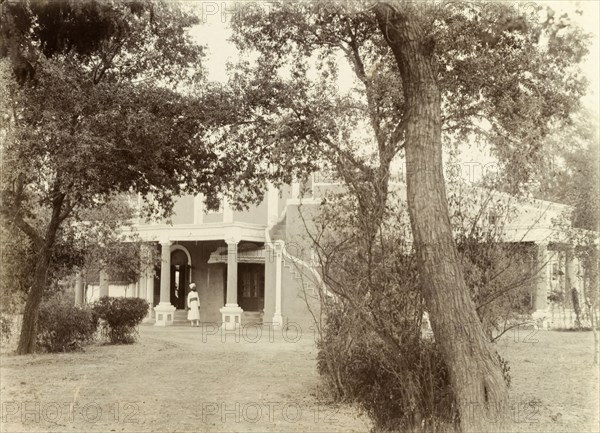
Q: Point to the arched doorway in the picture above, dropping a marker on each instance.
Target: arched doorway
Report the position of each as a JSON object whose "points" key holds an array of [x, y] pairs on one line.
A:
{"points": [[180, 270]]}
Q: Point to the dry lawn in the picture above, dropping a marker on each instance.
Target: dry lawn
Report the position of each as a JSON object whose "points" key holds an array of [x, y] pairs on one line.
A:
{"points": [[173, 379], [554, 381]]}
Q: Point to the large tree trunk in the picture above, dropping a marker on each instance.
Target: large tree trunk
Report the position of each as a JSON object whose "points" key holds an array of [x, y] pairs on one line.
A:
{"points": [[28, 336], [475, 371], [27, 339]]}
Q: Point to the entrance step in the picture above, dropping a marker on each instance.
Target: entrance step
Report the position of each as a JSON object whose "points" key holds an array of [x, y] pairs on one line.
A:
{"points": [[248, 317], [180, 318], [252, 317]]}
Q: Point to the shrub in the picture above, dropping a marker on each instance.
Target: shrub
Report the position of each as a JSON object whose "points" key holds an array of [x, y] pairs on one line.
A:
{"points": [[372, 348], [64, 327], [120, 317], [5, 327], [402, 384], [401, 388]]}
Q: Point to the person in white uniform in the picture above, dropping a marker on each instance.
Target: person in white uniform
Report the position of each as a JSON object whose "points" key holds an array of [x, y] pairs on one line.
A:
{"points": [[193, 304]]}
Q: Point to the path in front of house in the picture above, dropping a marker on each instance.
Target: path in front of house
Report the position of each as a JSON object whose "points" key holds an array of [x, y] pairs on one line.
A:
{"points": [[175, 379]]}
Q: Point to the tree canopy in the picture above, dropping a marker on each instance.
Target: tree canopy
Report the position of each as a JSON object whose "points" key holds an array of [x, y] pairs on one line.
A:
{"points": [[507, 77], [570, 173], [99, 102]]}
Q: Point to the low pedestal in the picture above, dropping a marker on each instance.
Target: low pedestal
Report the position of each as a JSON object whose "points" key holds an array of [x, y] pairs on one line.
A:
{"points": [[232, 316], [165, 314], [277, 321]]}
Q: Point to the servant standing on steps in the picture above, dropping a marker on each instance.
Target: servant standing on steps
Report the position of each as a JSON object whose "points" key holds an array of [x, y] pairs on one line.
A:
{"points": [[193, 304]]}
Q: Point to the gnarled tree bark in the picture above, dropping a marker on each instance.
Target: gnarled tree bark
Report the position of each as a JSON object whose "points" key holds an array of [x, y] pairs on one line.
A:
{"points": [[28, 336], [475, 370]]}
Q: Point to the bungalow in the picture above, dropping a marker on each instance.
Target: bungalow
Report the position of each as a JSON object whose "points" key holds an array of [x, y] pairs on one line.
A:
{"points": [[254, 266]]}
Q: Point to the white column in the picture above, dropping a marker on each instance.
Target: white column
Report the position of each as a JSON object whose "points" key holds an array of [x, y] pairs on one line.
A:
{"points": [[561, 271], [542, 266], [164, 311], [232, 273], [150, 291], [103, 277], [277, 318], [231, 313], [295, 190], [569, 274], [165, 273], [147, 278], [272, 204], [578, 277], [78, 289]]}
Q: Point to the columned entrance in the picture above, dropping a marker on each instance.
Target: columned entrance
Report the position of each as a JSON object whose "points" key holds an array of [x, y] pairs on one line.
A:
{"points": [[175, 270], [164, 311], [180, 271], [231, 313]]}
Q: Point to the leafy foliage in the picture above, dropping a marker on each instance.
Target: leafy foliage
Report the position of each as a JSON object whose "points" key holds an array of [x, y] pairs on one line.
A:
{"points": [[422, 74], [17, 258], [570, 173], [6, 327], [91, 115], [120, 317], [501, 275], [496, 65], [373, 349], [63, 327], [400, 390]]}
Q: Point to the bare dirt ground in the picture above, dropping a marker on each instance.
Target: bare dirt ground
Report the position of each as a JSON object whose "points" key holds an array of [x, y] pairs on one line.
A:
{"points": [[183, 379], [174, 379]]}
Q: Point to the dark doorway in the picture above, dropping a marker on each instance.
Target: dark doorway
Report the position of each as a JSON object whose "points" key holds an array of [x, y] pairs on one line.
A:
{"points": [[179, 285], [224, 284], [156, 285], [251, 286]]}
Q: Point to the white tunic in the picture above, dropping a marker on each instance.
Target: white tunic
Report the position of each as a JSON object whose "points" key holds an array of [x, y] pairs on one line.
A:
{"points": [[193, 303]]}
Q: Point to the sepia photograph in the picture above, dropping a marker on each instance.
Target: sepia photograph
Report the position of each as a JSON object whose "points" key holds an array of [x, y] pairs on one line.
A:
{"points": [[299, 216]]}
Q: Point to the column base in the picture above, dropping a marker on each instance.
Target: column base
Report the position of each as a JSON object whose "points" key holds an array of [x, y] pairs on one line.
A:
{"points": [[165, 314], [277, 321], [232, 316]]}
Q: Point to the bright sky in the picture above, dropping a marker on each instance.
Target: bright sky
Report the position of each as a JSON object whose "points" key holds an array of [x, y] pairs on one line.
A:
{"points": [[214, 33]]}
